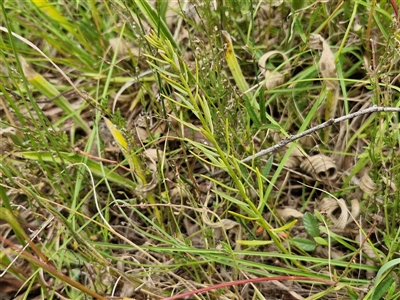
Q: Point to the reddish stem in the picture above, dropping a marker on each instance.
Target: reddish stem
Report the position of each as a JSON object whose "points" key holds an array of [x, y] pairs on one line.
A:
{"points": [[244, 281], [396, 11]]}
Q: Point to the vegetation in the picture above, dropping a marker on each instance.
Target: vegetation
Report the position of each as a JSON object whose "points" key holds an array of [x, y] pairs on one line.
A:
{"points": [[155, 149]]}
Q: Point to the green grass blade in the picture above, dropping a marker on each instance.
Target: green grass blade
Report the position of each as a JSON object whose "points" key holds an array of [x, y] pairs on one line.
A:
{"points": [[72, 158], [156, 22]]}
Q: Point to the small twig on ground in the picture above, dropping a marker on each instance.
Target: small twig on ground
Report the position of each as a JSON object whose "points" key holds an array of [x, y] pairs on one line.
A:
{"points": [[328, 123]]}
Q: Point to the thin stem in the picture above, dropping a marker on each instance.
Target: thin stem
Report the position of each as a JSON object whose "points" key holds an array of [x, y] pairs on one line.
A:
{"points": [[328, 123], [245, 281]]}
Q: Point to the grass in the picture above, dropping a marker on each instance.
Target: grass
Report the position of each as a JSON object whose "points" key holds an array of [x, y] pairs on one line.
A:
{"points": [[129, 141]]}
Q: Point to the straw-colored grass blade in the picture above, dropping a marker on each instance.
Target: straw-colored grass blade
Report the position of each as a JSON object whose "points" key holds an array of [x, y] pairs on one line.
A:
{"points": [[49, 9], [233, 65]]}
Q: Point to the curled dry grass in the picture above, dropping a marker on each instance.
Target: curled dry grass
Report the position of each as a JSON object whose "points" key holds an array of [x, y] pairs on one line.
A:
{"points": [[130, 141]]}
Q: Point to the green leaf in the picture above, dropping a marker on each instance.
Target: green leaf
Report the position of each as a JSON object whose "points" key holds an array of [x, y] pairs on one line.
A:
{"points": [[318, 216], [94, 166], [320, 241], [271, 127], [352, 295], [267, 168], [156, 21], [243, 205], [311, 224], [253, 243], [223, 195], [382, 288], [297, 4], [304, 244], [251, 112], [387, 266], [275, 124], [299, 30], [285, 227]]}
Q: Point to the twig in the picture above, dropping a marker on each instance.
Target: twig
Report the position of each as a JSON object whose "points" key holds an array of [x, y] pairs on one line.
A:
{"points": [[328, 123]]}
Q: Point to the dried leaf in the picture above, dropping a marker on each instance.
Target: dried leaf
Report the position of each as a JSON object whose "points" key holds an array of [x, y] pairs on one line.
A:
{"points": [[295, 158], [369, 252], [355, 210], [154, 155], [320, 167], [223, 223], [327, 67], [390, 183], [330, 206], [367, 185], [288, 213], [274, 78]]}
